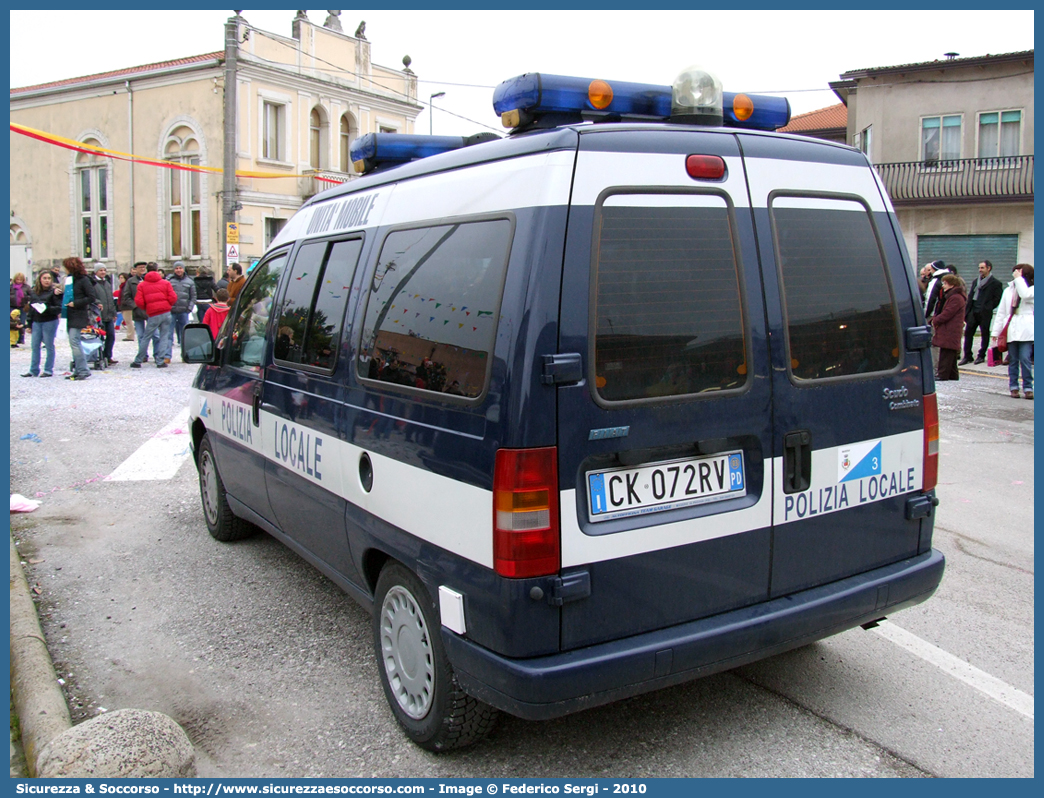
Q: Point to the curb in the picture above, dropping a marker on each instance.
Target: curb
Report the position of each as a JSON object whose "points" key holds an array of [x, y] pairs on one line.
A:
{"points": [[120, 744], [982, 370], [39, 702]]}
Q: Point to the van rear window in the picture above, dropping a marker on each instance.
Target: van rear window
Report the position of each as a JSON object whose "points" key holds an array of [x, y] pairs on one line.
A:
{"points": [[668, 315], [433, 305], [840, 313]]}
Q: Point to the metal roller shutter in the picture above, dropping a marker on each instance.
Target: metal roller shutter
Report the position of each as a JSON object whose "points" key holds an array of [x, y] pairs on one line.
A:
{"points": [[967, 252]]}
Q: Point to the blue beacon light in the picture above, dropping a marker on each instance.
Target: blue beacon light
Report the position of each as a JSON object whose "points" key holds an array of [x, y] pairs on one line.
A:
{"points": [[390, 149]]}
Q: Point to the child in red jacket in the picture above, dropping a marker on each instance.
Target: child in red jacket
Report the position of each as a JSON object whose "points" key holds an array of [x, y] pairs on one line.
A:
{"points": [[215, 315]]}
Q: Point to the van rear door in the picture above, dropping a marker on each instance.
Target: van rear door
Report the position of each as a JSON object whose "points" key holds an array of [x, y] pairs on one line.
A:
{"points": [[847, 393], [665, 442]]}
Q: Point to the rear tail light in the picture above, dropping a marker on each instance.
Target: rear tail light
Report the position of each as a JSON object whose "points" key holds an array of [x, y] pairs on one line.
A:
{"points": [[526, 538], [931, 442]]}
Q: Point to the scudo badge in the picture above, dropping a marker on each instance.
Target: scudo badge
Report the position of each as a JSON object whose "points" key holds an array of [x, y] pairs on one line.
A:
{"points": [[608, 432], [897, 399]]}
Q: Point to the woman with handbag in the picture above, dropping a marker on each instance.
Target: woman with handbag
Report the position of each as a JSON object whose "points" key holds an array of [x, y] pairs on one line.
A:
{"points": [[1012, 329], [948, 326]]}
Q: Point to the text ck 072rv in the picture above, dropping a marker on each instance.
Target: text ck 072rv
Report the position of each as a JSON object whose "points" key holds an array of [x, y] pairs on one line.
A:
{"points": [[638, 393]]}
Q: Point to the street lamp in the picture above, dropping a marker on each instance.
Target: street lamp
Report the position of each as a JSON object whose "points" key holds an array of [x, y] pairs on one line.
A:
{"points": [[431, 109]]}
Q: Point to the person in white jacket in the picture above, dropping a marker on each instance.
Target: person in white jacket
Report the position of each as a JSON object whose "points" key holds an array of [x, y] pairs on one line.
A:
{"points": [[1017, 304]]}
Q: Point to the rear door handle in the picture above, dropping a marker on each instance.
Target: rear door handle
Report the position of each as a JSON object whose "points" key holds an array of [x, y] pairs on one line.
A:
{"points": [[797, 461]]}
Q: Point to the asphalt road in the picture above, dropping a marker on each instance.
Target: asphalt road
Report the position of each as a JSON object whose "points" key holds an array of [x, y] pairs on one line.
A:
{"points": [[269, 667]]}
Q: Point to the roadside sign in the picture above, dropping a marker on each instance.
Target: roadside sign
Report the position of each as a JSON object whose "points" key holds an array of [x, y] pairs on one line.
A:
{"points": [[232, 232], [232, 253]]}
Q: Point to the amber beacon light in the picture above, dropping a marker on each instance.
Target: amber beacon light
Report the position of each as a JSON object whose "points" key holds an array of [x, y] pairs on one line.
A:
{"points": [[600, 94]]}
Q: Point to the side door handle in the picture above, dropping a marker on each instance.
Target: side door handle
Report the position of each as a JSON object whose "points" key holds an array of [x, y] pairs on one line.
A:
{"points": [[256, 402], [797, 461]]}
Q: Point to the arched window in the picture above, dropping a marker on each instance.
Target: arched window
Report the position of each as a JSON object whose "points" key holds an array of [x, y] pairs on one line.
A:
{"points": [[317, 138], [183, 194], [348, 132], [18, 235], [92, 182], [315, 129]]}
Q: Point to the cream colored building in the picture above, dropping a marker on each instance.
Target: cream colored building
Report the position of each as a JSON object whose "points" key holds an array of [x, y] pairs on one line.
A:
{"points": [[952, 140], [301, 100]]}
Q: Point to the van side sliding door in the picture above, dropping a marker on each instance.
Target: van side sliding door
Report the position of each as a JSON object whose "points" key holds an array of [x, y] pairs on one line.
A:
{"points": [[302, 406]]}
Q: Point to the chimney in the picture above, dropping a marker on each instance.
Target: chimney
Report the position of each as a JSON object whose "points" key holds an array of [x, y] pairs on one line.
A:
{"points": [[302, 16]]}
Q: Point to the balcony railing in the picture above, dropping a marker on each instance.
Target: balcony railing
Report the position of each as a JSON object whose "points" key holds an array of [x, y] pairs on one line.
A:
{"points": [[315, 180], [1007, 179]]}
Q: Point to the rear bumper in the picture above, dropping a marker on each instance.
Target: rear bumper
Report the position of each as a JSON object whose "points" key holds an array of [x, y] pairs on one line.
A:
{"points": [[555, 685]]}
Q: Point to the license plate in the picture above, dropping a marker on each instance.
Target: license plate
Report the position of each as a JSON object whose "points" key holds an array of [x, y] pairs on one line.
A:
{"points": [[622, 492]]}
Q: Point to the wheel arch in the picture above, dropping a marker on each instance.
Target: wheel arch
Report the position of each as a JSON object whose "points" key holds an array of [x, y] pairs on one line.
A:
{"points": [[373, 562], [198, 430]]}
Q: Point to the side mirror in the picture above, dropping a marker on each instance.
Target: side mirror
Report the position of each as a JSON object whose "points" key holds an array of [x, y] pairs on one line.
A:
{"points": [[197, 344]]}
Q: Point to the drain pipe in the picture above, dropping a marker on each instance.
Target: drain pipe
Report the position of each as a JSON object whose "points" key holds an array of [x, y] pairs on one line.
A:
{"points": [[130, 148]]}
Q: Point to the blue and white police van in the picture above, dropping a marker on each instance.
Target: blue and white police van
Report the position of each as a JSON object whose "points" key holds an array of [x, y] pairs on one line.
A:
{"points": [[637, 393]]}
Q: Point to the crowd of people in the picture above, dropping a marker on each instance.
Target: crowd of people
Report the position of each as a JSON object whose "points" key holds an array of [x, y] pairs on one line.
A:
{"points": [[147, 305], [155, 308], [1002, 317]]}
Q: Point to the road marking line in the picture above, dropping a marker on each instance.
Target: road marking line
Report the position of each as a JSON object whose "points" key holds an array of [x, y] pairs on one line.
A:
{"points": [[959, 669], [160, 456]]}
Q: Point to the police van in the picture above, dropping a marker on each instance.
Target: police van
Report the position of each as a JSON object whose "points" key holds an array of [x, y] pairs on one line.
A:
{"points": [[638, 393]]}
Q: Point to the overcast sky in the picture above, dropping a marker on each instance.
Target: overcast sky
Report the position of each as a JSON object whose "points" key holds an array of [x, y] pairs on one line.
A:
{"points": [[466, 53]]}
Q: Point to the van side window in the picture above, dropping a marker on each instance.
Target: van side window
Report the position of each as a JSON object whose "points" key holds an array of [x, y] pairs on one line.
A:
{"points": [[431, 314], [254, 310], [668, 314], [840, 313], [312, 309]]}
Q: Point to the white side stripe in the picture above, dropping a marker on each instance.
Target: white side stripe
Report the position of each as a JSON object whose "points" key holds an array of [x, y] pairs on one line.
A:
{"points": [[959, 669], [160, 456], [444, 511]]}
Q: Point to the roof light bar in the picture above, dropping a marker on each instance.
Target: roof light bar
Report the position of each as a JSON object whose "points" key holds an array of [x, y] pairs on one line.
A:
{"points": [[560, 99], [755, 111], [539, 100], [379, 150]]}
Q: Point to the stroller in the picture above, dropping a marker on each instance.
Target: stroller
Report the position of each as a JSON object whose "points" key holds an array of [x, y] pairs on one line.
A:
{"points": [[92, 341]]}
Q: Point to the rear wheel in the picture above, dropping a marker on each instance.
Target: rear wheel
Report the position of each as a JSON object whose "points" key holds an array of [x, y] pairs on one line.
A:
{"points": [[222, 524], [418, 679]]}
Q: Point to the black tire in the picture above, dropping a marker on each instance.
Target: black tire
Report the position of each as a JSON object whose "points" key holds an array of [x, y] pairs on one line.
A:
{"points": [[418, 680], [222, 524]]}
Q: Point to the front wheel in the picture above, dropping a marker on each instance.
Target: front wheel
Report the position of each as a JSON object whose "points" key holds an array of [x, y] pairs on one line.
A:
{"points": [[222, 523], [417, 677]]}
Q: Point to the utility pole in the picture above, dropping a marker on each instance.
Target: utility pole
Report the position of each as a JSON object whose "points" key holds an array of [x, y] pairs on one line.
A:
{"points": [[229, 195]]}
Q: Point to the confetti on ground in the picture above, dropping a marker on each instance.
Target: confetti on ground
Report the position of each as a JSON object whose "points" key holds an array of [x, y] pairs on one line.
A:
{"points": [[73, 486]]}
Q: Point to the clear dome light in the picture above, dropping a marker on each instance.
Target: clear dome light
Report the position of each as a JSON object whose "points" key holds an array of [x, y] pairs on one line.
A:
{"points": [[696, 97]]}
